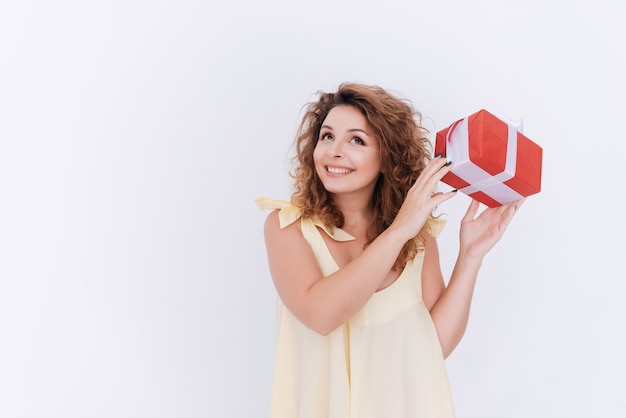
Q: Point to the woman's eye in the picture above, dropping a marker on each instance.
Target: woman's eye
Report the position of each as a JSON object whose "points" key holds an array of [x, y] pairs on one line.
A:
{"points": [[358, 140], [327, 137]]}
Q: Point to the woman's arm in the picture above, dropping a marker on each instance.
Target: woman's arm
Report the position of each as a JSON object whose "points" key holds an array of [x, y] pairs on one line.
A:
{"points": [[324, 303], [450, 306]]}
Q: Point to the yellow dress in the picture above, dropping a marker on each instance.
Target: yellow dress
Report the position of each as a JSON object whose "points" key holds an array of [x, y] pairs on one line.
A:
{"points": [[385, 362]]}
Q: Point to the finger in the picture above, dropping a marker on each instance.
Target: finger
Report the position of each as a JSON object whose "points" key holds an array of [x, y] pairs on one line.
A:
{"points": [[440, 197], [471, 211], [518, 204], [433, 173], [514, 206], [435, 165], [510, 211]]}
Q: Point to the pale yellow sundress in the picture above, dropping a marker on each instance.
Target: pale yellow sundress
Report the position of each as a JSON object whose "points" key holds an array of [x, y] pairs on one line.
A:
{"points": [[385, 362]]}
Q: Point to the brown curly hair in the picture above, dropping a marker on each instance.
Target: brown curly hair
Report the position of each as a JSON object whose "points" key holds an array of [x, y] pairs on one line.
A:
{"points": [[404, 152]]}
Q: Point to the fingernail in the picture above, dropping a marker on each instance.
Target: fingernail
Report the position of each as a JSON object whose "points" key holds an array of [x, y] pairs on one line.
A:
{"points": [[438, 155], [448, 163], [454, 191]]}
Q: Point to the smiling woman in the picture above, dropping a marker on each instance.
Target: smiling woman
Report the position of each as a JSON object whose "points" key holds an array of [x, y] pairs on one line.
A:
{"points": [[347, 157], [365, 319]]}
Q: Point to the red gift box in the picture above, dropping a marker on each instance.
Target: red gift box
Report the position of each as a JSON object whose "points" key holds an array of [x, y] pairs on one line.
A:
{"points": [[494, 162]]}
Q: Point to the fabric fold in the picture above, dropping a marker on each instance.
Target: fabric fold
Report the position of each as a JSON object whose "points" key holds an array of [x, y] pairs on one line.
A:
{"points": [[289, 214]]}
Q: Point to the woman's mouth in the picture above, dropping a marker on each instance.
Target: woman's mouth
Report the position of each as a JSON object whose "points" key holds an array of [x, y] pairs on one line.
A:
{"points": [[338, 170]]}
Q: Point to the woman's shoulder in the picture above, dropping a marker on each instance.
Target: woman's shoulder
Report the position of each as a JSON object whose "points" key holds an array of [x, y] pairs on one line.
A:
{"points": [[283, 212]]}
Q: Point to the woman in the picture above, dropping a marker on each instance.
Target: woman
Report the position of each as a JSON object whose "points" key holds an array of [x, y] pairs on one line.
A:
{"points": [[365, 319]]}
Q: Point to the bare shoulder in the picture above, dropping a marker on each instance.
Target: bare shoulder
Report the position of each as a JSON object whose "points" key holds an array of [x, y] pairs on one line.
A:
{"points": [[273, 229], [292, 264], [284, 244], [272, 222]]}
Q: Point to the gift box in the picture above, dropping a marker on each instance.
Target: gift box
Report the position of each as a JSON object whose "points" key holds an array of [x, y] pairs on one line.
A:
{"points": [[493, 162]]}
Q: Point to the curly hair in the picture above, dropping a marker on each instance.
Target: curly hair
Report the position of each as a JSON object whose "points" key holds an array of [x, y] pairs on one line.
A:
{"points": [[404, 152]]}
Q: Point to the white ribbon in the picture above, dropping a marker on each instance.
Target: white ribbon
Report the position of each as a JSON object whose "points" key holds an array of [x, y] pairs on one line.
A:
{"points": [[457, 151]]}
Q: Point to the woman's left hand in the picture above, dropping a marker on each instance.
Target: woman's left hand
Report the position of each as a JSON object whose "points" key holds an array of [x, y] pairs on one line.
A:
{"points": [[479, 234]]}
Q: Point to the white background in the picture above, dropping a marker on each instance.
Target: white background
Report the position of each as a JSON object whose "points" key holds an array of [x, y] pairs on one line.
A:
{"points": [[134, 136]]}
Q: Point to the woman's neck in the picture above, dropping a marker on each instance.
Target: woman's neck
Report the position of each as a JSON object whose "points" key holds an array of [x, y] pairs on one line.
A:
{"points": [[357, 213]]}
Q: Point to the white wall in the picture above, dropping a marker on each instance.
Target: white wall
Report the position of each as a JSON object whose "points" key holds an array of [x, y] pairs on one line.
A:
{"points": [[134, 136]]}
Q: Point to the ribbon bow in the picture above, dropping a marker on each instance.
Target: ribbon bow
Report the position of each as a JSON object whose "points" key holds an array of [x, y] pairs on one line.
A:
{"points": [[289, 214]]}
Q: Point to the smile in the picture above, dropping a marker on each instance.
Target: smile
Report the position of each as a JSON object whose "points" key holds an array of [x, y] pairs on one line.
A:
{"points": [[337, 170]]}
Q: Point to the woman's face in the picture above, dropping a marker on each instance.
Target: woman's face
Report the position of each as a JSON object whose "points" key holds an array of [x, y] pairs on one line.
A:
{"points": [[347, 154]]}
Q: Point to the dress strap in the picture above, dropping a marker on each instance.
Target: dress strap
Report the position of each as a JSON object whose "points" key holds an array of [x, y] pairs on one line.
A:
{"points": [[289, 214]]}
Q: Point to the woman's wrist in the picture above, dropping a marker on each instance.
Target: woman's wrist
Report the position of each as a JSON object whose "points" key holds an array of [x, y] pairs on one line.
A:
{"points": [[465, 258]]}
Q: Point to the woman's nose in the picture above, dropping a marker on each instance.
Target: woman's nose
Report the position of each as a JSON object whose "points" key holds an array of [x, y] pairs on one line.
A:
{"points": [[335, 150]]}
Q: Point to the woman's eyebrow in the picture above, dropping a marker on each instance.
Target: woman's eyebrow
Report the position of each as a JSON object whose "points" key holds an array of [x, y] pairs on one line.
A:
{"points": [[349, 130], [358, 130]]}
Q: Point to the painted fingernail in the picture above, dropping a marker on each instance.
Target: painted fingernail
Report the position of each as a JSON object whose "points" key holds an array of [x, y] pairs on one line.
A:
{"points": [[454, 191], [438, 155], [448, 163]]}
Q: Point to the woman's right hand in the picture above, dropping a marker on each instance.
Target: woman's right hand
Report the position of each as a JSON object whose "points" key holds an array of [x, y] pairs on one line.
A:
{"points": [[421, 199]]}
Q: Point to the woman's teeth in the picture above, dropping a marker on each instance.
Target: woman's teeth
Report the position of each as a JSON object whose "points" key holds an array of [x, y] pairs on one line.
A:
{"points": [[335, 170]]}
